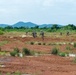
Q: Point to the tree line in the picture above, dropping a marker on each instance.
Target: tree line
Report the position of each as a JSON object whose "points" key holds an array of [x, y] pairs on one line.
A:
{"points": [[54, 28]]}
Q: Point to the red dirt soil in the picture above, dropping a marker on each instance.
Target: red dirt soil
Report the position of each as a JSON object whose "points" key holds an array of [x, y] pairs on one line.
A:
{"points": [[42, 65]]}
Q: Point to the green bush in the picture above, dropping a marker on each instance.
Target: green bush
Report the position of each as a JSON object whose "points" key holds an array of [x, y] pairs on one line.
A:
{"points": [[16, 50], [62, 54], [55, 51], [26, 51], [74, 45], [68, 48], [32, 43], [1, 32], [13, 53]]}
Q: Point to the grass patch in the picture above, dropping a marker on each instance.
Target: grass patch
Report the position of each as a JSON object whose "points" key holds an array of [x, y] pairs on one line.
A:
{"points": [[3, 42], [3, 53], [74, 45]]}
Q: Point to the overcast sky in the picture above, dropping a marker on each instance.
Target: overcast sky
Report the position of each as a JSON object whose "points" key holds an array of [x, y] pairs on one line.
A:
{"points": [[38, 11]]}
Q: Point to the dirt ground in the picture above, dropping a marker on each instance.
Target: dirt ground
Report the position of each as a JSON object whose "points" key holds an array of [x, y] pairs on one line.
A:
{"points": [[37, 65], [40, 65]]}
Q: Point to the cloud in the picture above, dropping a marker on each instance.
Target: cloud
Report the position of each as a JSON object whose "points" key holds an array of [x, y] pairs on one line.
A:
{"points": [[37, 10]]}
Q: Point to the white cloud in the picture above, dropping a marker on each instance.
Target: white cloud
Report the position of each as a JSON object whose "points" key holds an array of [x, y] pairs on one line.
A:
{"points": [[36, 10]]}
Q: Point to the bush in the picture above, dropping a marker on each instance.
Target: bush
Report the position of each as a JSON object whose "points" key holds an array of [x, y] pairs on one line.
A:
{"points": [[74, 45], [13, 53], [32, 43], [26, 51], [39, 43], [55, 51], [16, 50], [62, 54], [68, 48], [44, 43]]}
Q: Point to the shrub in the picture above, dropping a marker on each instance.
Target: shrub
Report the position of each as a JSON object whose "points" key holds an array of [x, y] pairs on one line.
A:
{"points": [[55, 51], [26, 51], [62, 54], [68, 48], [16, 50], [74, 45], [44, 43], [39, 43], [32, 43], [17, 73], [13, 53]]}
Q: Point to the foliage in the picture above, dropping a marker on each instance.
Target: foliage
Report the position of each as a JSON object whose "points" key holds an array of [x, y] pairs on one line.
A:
{"points": [[15, 52], [39, 43], [62, 54], [1, 32], [68, 48], [3, 42], [55, 51], [74, 45], [44, 43], [74, 60], [32, 43], [17, 73], [26, 51], [2, 53]]}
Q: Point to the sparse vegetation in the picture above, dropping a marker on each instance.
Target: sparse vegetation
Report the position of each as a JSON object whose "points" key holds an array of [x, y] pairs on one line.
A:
{"points": [[39, 43], [1, 32], [15, 52], [74, 45], [68, 48], [63, 54], [17, 73], [32, 43], [44, 43], [55, 51], [74, 60], [8, 73], [26, 51], [3, 42]]}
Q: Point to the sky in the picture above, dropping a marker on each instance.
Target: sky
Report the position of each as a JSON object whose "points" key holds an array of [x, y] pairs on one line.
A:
{"points": [[38, 11]]}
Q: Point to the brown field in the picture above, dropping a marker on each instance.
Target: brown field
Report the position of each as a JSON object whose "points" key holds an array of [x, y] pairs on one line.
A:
{"points": [[44, 64]]}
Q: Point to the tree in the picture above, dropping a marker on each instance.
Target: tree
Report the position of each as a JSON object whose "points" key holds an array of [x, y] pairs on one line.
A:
{"points": [[36, 27], [55, 26], [9, 27]]}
